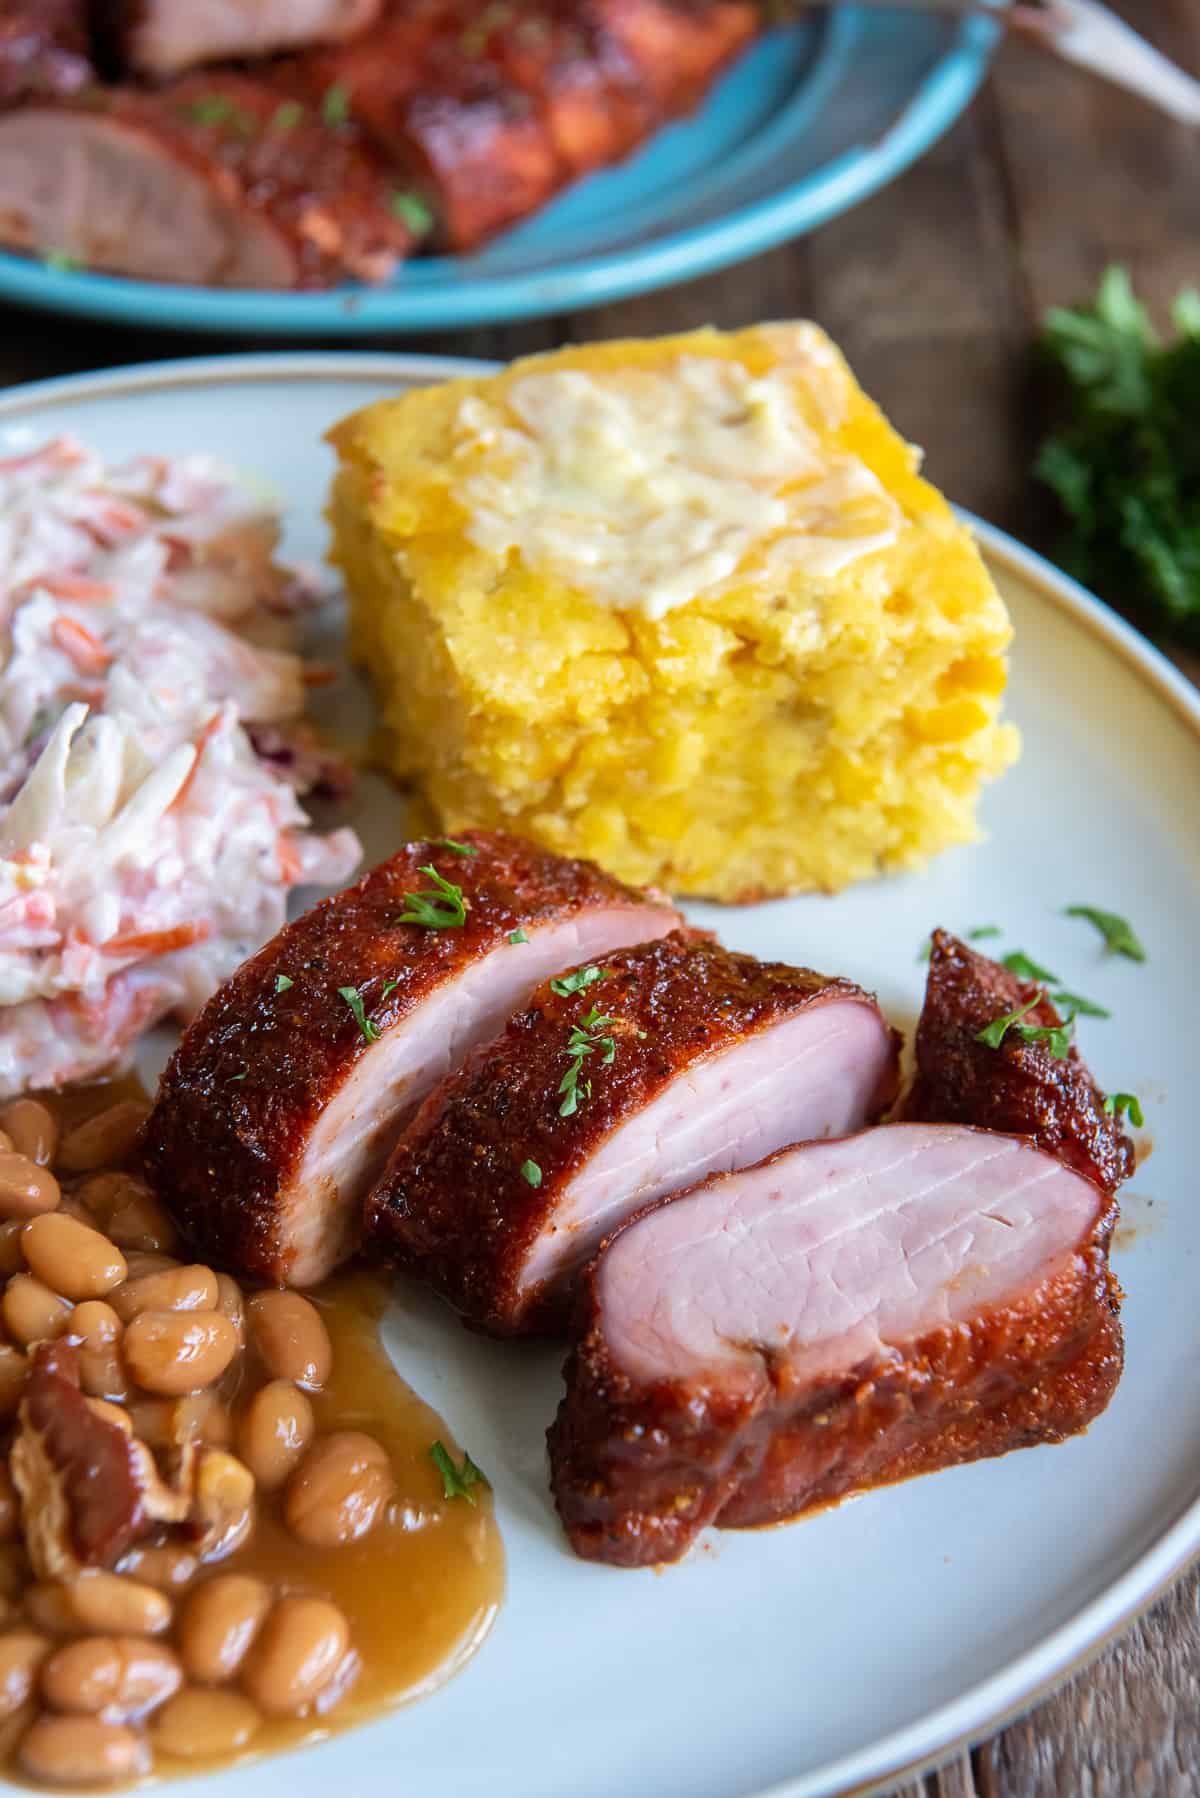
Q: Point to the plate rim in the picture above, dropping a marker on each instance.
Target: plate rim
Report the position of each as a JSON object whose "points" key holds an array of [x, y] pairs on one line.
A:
{"points": [[1029, 1676], [677, 256]]}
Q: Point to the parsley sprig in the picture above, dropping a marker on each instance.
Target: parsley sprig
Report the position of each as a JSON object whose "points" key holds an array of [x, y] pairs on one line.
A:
{"points": [[453, 845], [1125, 465], [1057, 1037], [1119, 1104], [353, 998], [578, 982], [457, 1482], [441, 907], [587, 1038], [1120, 938]]}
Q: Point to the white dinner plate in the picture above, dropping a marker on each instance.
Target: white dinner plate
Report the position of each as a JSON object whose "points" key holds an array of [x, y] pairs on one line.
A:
{"points": [[844, 1652]]}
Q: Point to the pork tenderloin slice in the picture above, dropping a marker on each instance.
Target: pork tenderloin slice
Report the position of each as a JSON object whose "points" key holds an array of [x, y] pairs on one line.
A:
{"points": [[281, 1104], [844, 1315], [116, 191], [1021, 1087], [705, 1061], [162, 37]]}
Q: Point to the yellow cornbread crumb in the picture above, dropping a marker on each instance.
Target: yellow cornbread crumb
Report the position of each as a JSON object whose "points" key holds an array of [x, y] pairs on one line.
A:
{"points": [[777, 664]]}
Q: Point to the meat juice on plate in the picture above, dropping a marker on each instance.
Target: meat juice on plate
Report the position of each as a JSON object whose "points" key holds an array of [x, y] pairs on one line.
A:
{"points": [[320, 1529]]}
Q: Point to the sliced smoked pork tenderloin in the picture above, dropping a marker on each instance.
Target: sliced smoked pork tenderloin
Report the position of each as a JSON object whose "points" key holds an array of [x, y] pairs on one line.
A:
{"points": [[223, 180], [1022, 1087], [291, 1087], [634, 1078], [166, 37], [844, 1315]]}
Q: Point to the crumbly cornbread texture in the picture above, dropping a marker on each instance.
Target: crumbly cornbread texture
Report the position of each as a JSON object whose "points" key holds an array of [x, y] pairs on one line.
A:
{"points": [[684, 606]]}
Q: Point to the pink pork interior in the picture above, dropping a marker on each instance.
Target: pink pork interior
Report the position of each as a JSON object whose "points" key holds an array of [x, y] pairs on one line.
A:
{"points": [[836, 1250]]}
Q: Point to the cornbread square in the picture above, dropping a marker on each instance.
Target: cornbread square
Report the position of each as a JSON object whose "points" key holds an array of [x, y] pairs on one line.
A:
{"points": [[684, 606]]}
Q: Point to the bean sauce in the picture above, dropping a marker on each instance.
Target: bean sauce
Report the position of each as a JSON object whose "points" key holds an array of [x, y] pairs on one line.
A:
{"points": [[321, 1575]]}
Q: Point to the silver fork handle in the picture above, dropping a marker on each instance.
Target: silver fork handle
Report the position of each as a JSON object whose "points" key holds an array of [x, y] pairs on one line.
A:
{"points": [[1084, 32]]}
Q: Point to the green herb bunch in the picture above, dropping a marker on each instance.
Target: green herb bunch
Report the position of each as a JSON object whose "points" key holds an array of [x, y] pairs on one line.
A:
{"points": [[1126, 464]]}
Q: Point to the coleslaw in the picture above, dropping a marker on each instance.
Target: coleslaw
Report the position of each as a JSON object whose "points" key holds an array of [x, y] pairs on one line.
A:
{"points": [[146, 846]]}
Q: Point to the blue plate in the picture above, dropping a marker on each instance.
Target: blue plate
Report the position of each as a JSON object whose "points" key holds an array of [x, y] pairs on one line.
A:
{"points": [[812, 120]]}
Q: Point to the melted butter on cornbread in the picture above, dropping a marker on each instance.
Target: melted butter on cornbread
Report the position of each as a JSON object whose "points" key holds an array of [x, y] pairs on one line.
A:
{"points": [[647, 488], [781, 729]]}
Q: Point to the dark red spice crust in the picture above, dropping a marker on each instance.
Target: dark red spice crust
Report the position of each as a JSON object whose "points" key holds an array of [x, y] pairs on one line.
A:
{"points": [[241, 1093], [454, 1208], [1020, 1089], [638, 1470]]}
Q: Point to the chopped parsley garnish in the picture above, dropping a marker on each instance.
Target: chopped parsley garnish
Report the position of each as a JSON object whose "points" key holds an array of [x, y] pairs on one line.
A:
{"points": [[926, 950], [586, 1037], [283, 982], [389, 987], [1123, 463], [335, 106], [1083, 1008], [1025, 968], [353, 999], [236, 1077], [412, 211], [1120, 938], [520, 935], [578, 982], [1119, 1104], [977, 935], [993, 1034], [61, 261], [219, 109], [451, 844], [1057, 1037], [442, 908], [531, 1173], [457, 1482], [287, 116]]}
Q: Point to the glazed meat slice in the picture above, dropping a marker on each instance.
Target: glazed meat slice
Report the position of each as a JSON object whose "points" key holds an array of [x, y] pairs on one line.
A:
{"points": [[293, 1084], [225, 181], [680, 1060], [844, 1315], [44, 49], [166, 37], [1021, 1087]]}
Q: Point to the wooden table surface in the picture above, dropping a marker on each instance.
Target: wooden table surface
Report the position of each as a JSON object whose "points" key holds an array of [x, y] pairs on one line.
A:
{"points": [[933, 289]]}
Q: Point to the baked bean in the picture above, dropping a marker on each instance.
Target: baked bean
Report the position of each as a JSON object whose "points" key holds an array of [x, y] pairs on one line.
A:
{"points": [[13, 1368], [165, 1565], [219, 1621], [108, 1604], [96, 1328], [103, 1194], [48, 1607], [104, 1140], [290, 1336], [142, 1261], [339, 1490], [30, 1127], [174, 1352], [123, 1676], [10, 1505], [298, 1651], [21, 1654], [202, 1723], [174, 1289], [141, 1223], [7, 1144], [82, 1751], [72, 1258], [274, 1432], [32, 1313], [26, 1189], [231, 1304], [205, 1417]]}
